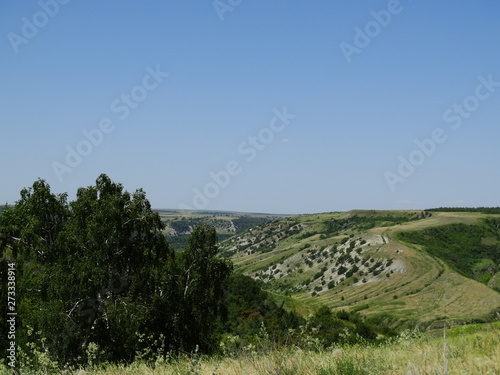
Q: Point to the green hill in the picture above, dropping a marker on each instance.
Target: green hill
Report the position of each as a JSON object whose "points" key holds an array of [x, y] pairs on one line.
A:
{"points": [[471, 250], [407, 267]]}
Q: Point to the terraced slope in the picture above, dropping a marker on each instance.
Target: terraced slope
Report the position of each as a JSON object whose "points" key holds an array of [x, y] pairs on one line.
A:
{"points": [[354, 260]]}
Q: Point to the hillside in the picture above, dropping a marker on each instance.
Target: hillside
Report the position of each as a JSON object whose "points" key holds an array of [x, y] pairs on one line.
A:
{"points": [[181, 223], [358, 260]]}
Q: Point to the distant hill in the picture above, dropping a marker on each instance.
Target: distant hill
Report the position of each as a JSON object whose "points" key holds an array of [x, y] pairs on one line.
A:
{"points": [[484, 210], [180, 223], [408, 267]]}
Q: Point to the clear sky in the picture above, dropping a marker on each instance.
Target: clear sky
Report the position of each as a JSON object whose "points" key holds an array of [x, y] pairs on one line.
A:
{"points": [[262, 106]]}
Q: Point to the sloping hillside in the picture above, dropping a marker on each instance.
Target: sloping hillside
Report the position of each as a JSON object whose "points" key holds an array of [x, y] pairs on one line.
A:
{"points": [[471, 250], [356, 260]]}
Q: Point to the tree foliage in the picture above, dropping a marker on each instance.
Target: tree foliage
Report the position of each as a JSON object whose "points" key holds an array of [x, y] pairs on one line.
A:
{"points": [[201, 290], [99, 271]]}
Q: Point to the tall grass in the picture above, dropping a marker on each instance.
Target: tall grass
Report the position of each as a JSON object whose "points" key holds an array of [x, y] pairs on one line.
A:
{"points": [[473, 349]]}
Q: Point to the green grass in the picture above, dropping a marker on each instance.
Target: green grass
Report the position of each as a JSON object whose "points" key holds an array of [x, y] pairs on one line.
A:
{"points": [[473, 349]]}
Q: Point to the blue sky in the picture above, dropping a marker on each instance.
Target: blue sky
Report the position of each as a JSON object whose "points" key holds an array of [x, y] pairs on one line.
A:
{"points": [[418, 68]]}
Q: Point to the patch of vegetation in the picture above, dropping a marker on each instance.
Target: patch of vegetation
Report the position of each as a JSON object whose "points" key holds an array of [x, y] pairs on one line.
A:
{"points": [[245, 222], [483, 210], [184, 225], [367, 220], [333, 227], [462, 247], [472, 350]]}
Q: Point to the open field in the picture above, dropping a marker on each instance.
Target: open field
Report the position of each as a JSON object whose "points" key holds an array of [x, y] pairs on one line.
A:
{"points": [[473, 349]]}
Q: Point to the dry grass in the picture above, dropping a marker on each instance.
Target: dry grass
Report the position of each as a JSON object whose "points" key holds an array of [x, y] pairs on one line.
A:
{"points": [[470, 350]]}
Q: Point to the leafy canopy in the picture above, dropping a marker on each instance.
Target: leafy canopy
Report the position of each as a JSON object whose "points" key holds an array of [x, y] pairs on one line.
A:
{"points": [[98, 272]]}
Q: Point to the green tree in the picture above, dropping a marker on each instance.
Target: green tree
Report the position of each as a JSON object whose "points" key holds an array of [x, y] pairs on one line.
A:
{"points": [[28, 234], [200, 285], [114, 255], [30, 228], [99, 271]]}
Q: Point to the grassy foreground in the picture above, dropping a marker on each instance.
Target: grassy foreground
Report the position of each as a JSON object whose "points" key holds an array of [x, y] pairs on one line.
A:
{"points": [[473, 349]]}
